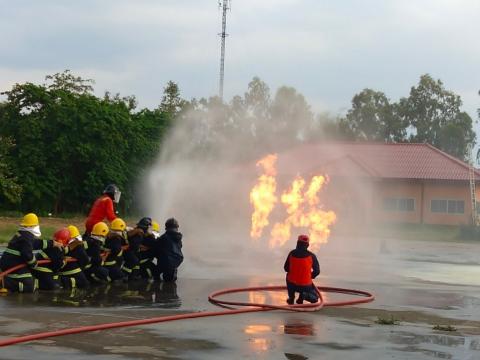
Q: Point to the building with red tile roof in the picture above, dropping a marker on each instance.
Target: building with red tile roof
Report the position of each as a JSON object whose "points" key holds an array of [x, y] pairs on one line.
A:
{"points": [[387, 182]]}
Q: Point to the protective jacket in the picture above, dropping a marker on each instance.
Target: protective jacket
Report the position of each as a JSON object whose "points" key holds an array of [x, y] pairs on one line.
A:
{"points": [[75, 250], [114, 259], [72, 275], [47, 274], [146, 255], [20, 250], [94, 248], [131, 255], [95, 270], [102, 208], [56, 257], [301, 266], [169, 249], [113, 243]]}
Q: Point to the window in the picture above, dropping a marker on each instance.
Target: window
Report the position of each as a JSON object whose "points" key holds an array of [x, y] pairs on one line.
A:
{"points": [[439, 206], [398, 204], [447, 206]]}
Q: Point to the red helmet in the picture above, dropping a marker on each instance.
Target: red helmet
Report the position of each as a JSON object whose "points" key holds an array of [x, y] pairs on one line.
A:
{"points": [[62, 236], [303, 238]]}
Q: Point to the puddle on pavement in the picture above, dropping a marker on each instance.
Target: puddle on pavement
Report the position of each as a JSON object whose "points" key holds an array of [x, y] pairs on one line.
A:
{"points": [[134, 294], [439, 346], [447, 273]]}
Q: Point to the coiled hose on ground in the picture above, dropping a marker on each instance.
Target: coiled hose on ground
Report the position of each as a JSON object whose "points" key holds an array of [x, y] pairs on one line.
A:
{"points": [[232, 308]]}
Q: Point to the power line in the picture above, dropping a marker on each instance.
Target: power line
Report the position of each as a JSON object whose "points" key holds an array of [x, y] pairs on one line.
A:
{"points": [[224, 5]]}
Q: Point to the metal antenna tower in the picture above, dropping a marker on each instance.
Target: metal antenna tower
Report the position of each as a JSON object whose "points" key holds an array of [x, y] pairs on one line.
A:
{"points": [[224, 5]]}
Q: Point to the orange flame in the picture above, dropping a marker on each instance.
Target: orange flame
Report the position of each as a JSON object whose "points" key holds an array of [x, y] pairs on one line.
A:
{"points": [[301, 205], [262, 196]]}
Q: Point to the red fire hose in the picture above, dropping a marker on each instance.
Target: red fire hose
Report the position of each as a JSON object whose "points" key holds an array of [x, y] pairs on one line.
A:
{"points": [[365, 297]]}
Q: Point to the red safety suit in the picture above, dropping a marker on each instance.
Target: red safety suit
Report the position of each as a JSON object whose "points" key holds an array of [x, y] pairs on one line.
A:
{"points": [[102, 208], [301, 266]]}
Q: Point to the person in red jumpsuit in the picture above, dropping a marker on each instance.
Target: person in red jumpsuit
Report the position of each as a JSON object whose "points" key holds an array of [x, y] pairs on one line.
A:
{"points": [[301, 267], [103, 208]]}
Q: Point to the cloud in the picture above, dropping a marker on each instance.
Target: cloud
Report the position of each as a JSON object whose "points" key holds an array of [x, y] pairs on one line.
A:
{"points": [[327, 50]]}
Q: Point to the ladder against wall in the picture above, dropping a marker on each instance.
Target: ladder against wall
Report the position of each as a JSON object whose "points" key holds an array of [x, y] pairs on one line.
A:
{"points": [[473, 198]]}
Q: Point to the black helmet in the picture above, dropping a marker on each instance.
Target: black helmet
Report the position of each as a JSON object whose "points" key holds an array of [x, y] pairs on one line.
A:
{"points": [[144, 223], [110, 189], [171, 223], [113, 191]]}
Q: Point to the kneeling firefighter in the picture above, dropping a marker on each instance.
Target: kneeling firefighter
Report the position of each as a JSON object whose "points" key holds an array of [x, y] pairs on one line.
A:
{"points": [[169, 251], [135, 239], [301, 267], [113, 244], [20, 251], [146, 255], [94, 242], [71, 275], [47, 274]]}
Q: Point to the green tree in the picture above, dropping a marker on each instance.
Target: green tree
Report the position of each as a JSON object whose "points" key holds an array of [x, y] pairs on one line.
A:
{"points": [[257, 99], [435, 117], [70, 143], [10, 190], [172, 103], [66, 81], [457, 137], [291, 115], [373, 117]]}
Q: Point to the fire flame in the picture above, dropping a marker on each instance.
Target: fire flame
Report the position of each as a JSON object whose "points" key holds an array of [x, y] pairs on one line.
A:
{"points": [[262, 196], [301, 203]]}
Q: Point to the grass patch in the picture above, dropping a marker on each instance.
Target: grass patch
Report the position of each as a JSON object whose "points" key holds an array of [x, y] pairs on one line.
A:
{"points": [[387, 320], [444, 328], [8, 230], [48, 225]]}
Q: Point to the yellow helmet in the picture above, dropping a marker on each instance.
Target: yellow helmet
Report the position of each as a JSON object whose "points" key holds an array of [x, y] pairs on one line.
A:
{"points": [[155, 226], [73, 231], [30, 220], [100, 229], [118, 225]]}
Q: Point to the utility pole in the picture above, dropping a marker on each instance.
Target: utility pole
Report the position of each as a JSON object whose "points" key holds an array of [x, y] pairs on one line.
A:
{"points": [[224, 5]]}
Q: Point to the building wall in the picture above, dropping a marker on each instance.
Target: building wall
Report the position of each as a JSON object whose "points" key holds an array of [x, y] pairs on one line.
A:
{"points": [[401, 189], [350, 199], [448, 191], [423, 192]]}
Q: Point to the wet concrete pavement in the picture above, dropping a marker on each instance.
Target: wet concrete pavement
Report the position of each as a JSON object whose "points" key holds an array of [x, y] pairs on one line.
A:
{"points": [[421, 284]]}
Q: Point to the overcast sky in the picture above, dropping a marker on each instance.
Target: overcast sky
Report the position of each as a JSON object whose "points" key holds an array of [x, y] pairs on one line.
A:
{"points": [[328, 50]]}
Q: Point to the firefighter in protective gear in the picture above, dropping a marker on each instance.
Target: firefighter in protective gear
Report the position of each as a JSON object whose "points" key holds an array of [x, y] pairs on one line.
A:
{"points": [[169, 251], [47, 274], [95, 271], [103, 207], [301, 267], [71, 275], [146, 255], [20, 251], [113, 244], [135, 239]]}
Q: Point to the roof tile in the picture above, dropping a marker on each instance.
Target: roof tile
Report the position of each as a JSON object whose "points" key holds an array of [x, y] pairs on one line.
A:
{"points": [[379, 160]]}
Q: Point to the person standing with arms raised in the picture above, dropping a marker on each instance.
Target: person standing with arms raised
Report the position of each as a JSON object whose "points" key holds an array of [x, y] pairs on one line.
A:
{"points": [[103, 207]]}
